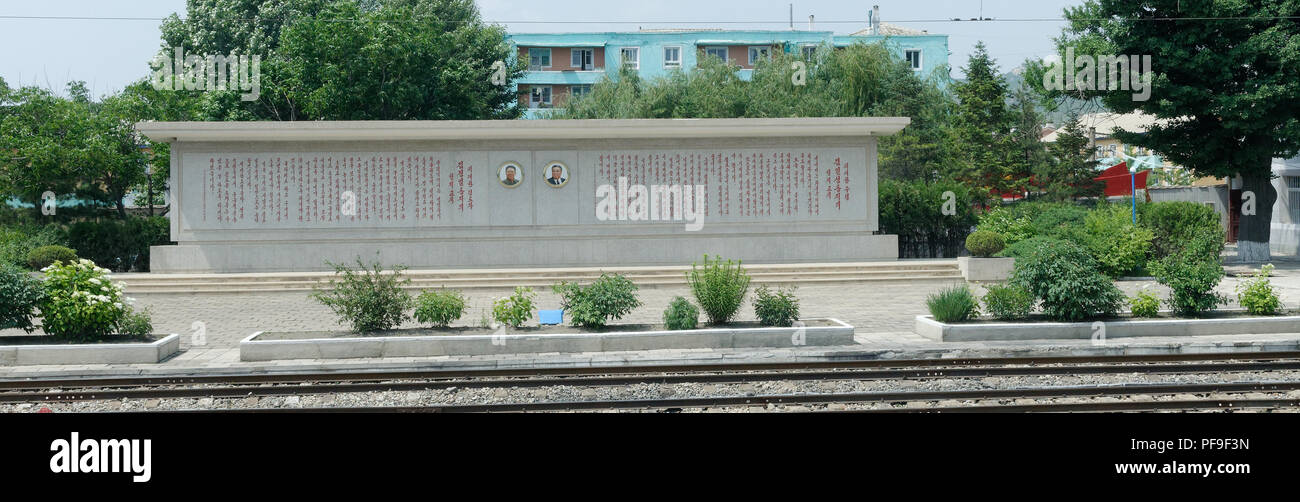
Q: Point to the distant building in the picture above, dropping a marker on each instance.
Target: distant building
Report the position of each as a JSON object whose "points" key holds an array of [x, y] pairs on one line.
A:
{"points": [[1285, 231], [566, 64]]}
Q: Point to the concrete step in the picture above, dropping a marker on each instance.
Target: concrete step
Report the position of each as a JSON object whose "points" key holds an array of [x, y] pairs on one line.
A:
{"points": [[548, 273], [903, 271]]}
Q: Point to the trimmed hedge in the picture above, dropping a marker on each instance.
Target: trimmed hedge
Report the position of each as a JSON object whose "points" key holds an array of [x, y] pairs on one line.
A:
{"points": [[43, 256], [119, 245], [984, 243]]}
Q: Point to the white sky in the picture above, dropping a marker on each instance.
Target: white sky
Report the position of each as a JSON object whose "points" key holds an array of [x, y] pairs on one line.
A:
{"points": [[108, 54]]}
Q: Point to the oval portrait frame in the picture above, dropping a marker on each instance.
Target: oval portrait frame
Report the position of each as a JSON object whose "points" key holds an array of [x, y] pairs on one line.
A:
{"points": [[564, 168], [519, 172]]}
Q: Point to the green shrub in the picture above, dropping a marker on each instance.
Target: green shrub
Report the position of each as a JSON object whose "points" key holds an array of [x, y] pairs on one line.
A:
{"points": [[914, 211], [1023, 248], [17, 242], [20, 295], [439, 308], [1008, 301], [120, 245], [1006, 222], [984, 243], [609, 297], [43, 256], [81, 301], [780, 308], [1258, 295], [719, 287], [1192, 274], [138, 324], [1119, 246], [953, 305], [681, 314], [1175, 224], [1144, 304], [367, 299], [1053, 220], [1067, 282], [515, 309]]}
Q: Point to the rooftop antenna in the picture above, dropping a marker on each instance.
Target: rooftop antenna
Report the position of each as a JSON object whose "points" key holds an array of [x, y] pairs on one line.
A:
{"points": [[791, 17]]}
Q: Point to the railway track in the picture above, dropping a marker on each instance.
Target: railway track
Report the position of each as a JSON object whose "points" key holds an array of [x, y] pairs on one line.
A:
{"points": [[262, 385], [1064, 392]]}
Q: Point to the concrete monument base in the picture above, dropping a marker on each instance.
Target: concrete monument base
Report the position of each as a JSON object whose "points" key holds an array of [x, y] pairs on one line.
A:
{"points": [[557, 252]]}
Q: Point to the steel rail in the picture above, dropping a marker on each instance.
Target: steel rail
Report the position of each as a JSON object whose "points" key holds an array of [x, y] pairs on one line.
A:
{"points": [[86, 394], [706, 403]]}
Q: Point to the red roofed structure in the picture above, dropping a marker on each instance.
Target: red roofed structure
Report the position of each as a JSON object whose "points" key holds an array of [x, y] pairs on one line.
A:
{"points": [[1117, 180]]}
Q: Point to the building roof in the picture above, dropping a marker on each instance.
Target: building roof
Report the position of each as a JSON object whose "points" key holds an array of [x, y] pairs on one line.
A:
{"points": [[1106, 123], [398, 130], [889, 29]]}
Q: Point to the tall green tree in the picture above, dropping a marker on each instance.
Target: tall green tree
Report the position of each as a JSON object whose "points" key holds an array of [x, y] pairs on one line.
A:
{"points": [[987, 148], [71, 146], [1029, 152], [354, 59], [1069, 170], [860, 80], [1226, 83]]}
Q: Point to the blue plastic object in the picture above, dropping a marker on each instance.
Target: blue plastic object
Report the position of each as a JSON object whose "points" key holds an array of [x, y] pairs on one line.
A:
{"points": [[550, 317]]}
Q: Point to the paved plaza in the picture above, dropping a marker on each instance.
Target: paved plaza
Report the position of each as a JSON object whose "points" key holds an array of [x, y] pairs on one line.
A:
{"points": [[882, 313]]}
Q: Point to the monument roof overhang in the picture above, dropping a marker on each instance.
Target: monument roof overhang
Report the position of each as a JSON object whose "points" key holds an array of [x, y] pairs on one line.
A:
{"points": [[390, 130]]}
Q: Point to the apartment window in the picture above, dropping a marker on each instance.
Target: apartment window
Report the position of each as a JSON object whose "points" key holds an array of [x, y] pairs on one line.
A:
{"points": [[539, 58], [809, 51], [913, 57], [672, 57], [632, 57], [582, 59], [757, 53], [1293, 197], [717, 52], [539, 96], [580, 90]]}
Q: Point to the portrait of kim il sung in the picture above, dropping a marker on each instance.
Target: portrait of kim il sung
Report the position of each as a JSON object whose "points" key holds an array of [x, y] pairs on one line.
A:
{"points": [[556, 174], [511, 174]]}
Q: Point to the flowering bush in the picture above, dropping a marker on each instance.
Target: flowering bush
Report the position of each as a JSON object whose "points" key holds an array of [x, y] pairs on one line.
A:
{"points": [[81, 301]]}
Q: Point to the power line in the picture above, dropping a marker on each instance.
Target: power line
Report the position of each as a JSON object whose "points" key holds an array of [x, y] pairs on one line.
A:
{"points": [[781, 22]]}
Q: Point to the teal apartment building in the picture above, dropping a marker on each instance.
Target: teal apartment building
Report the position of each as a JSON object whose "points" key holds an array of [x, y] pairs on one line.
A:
{"points": [[561, 65]]}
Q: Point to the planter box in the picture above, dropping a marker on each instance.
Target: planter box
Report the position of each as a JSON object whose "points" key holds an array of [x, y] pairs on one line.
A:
{"points": [[91, 353], [985, 269], [256, 348], [927, 327]]}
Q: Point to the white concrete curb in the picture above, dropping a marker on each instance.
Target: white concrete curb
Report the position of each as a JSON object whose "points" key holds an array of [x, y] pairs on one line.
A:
{"points": [[252, 349], [91, 353], [927, 327]]}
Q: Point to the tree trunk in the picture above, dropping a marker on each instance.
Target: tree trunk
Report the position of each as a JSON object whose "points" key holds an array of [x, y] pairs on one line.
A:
{"points": [[121, 208], [1254, 229]]}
